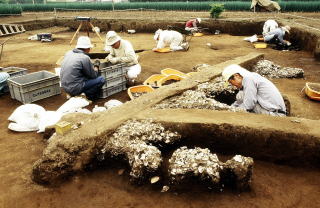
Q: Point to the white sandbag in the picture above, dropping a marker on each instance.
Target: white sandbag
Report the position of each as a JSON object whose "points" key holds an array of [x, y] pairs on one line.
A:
{"points": [[98, 109], [26, 117], [48, 118], [112, 103], [73, 104]]}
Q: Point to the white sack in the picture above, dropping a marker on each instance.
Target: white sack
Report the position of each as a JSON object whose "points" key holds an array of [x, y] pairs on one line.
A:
{"points": [[26, 117], [112, 103], [98, 109], [73, 104], [48, 118]]}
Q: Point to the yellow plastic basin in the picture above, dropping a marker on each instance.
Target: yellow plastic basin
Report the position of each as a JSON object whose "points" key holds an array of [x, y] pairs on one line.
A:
{"points": [[260, 45], [139, 89], [153, 80], [170, 77], [163, 50], [169, 71], [312, 90], [198, 34]]}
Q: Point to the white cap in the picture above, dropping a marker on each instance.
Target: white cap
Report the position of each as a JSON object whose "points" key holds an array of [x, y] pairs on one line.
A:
{"points": [[157, 33], [84, 42], [199, 20], [287, 29], [111, 38], [231, 70]]}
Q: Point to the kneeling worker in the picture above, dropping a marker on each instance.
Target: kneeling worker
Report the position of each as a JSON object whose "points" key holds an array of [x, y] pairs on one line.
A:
{"points": [[276, 36], [257, 94], [192, 25], [78, 75], [170, 38], [121, 51]]}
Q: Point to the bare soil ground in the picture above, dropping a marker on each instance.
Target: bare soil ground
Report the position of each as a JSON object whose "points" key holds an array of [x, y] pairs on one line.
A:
{"points": [[273, 185]]}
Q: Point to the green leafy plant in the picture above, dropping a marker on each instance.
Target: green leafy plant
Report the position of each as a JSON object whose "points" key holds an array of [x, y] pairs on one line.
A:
{"points": [[216, 10]]}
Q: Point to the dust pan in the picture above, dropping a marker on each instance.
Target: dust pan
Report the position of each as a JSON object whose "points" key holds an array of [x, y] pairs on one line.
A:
{"points": [[153, 80], [312, 90], [170, 77], [260, 45], [169, 71], [163, 50], [139, 89], [198, 34]]}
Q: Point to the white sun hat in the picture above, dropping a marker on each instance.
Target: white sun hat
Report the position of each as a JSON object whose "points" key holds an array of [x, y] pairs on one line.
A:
{"points": [[156, 34], [287, 28], [84, 42], [111, 38], [231, 70], [199, 20]]}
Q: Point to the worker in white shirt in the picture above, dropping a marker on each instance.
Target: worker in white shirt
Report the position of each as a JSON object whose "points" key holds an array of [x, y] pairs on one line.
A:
{"points": [[121, 51], [257, 94], [170, 38], [268, 26]]}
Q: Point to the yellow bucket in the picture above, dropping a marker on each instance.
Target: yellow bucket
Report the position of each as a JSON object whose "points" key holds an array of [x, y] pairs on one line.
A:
{"points": [[170, 77], [139, 89], [153, 80], [312, 90], [169, 71]]}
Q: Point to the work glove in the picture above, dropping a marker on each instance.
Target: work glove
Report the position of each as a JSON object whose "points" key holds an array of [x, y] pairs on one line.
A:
{"points": [[288, 43], [114, 60]]}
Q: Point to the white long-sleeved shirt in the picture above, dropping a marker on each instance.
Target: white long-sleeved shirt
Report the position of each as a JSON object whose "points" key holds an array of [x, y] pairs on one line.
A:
{"points": [[125, 53], [169, 38], [268, 26], [258, 89]]}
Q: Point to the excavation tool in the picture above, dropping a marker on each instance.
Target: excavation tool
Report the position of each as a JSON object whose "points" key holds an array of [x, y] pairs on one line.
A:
{"points": [[85, 21]]}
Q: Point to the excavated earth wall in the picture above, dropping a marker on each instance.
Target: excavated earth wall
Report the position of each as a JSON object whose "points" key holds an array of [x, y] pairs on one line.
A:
{"points": [[223, 132]]}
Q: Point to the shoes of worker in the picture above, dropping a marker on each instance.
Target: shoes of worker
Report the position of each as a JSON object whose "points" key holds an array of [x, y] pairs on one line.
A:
{"points": [[185, 46]]}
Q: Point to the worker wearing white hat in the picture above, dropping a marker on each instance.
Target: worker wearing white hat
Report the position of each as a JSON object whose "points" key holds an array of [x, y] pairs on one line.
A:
{"points": [[277, 35], [257, 94], [192, 25], [78, 75], [121, 51], [170, 38]]}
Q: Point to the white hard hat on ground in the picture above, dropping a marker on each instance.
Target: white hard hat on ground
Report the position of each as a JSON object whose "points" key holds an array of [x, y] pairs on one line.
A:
{"points": [[231, 70], [156, 34], [84, 42], [199, 20], [112, 37]]}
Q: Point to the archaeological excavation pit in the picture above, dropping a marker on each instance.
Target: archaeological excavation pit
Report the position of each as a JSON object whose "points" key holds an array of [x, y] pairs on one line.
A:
{"points": [[76, 158]]}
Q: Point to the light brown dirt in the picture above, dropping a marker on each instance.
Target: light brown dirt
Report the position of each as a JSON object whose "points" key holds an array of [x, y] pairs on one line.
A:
{"points": [[273, 185]]}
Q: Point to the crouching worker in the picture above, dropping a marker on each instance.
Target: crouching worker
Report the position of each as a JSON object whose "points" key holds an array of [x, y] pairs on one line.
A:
{"points": [[121, 51], [78, 75], [170, 38], [3, 82], [276, 36], [192, 25], [257, 94]]}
